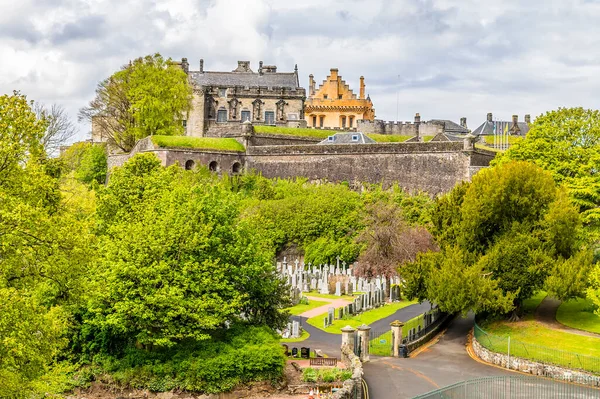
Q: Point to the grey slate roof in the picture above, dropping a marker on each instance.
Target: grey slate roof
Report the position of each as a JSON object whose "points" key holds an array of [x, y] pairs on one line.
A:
{"points": [[487, 128], [245, 79], [346, 138], [452, 127]]}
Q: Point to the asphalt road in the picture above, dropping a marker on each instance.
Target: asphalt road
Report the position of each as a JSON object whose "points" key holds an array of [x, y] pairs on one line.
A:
{"points": [[442, 364]]}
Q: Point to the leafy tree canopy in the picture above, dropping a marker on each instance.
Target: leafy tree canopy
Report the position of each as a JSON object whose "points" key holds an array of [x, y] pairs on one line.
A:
{"points": [[149, 96]]}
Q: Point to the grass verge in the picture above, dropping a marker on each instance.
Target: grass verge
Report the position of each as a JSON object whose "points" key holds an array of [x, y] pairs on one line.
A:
{"points": [[530, 305], [388, 138], [201, 143], [368, 317], [294, 131], [329, 296], [579, 314]]}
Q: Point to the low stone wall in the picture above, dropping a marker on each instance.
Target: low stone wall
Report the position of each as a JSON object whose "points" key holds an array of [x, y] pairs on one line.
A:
{"points": [[534, 368], [441, 323], [353, 384]]}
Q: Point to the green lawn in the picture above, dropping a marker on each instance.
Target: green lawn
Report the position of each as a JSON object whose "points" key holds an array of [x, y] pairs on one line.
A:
{"points": [[388, 138], [379, 348], [367, 317], [301, 308], [205, 143], [427, 138], [511, 139], [579, 313], [302, 337], [530, 305], [532, 340], [294, 131]]}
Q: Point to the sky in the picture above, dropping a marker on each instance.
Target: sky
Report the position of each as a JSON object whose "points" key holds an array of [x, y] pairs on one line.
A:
{"points": [[444, 59]]}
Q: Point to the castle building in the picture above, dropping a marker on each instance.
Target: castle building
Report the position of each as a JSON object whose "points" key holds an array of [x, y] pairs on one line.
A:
{"points": [[224, 100], [334, 105]]}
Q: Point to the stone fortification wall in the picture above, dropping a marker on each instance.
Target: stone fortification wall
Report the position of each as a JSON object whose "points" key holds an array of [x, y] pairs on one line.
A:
{"points": [[353, 384], [378, 126], [431, 167], [258, 139], [535, 368]]}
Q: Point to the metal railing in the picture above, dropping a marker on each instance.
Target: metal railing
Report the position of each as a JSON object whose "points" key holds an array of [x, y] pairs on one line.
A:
{"points": [[513, 387], [537, 353]]}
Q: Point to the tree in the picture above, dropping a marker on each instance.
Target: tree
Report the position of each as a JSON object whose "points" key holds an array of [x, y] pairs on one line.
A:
{"points": [[389, 242], [566, 142], [93, 165], [149, 96], [505, 231], [59, 130]]}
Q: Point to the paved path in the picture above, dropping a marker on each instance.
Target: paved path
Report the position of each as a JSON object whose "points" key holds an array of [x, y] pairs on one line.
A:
{"points": [[442, 364], [546, 314], [332, 303]]}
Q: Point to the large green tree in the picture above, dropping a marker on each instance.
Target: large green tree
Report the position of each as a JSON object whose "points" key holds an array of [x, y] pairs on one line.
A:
{"points": [[566, 142], [149, 96], [505, 232]]}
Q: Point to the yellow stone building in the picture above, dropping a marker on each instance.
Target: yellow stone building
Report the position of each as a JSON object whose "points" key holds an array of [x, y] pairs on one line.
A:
{"points": [[334, 105]]}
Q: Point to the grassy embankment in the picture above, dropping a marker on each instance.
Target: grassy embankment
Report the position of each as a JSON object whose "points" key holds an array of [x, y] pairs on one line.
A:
{"points": [[204, 143], [579, 314], [323, 134]]}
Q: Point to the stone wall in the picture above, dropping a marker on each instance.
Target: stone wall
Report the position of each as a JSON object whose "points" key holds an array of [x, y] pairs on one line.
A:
{"points": [[535, 368], [353, 362], [431, 167], [378, 126]]}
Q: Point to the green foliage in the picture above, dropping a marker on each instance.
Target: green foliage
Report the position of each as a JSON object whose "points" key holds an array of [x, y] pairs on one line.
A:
{"points": [[310, 374], [503, 237], [93, 165], [211, 143], [149, 96], [293, 131], [566, 142], [388, 138], [593, 290]]}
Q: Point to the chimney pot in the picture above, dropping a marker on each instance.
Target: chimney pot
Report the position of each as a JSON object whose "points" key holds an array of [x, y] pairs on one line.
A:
{"points": [[515, 119], [201, 65], [185, 65], [463, 122], [417, 118], [490, 117], [362, 88], [333, 73], [528, 119]]}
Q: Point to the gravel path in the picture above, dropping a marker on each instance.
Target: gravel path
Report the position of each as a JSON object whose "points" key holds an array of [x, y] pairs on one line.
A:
{"points": [[333, 303]]}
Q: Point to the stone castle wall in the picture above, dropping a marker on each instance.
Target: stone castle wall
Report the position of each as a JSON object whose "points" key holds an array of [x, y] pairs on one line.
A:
{"points": [[378, 126]]}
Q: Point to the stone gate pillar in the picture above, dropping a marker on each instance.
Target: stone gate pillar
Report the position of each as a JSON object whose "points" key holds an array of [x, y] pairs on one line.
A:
{"points": [[364, 333], [397, 334], [347, 339]]}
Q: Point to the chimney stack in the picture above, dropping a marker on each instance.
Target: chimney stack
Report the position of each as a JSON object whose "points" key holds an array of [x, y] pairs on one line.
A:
{"points": [[201, 65], [515, 120], [417, 118], [362, 88], [185, 65], [489, 117], [311, 85], [260, 67], [528, 119], [333, 73], [463, 122]]}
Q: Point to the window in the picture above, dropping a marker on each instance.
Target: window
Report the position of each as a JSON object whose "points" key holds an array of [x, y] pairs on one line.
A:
{"points": [[350, 121], [343, 121], [223, 93], [269, 118], [321, 121], [189, 165], [325, 96], [339, 97], [314, 121], [331, 139], [246, 116], [213, 166], [222, 115], [355, 137], [184, 123]]}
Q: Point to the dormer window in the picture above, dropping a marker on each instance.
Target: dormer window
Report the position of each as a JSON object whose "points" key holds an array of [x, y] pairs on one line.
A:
{"points": [[325, 96], [339, 97], [223, 93], [331, 139], [355, 137]]}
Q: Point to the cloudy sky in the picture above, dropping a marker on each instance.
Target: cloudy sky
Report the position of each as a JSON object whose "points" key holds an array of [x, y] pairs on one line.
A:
{"points": [[442, 58]]}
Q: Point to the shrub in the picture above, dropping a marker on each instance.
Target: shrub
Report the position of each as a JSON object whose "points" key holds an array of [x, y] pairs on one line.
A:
{"points": [[309, 375]]}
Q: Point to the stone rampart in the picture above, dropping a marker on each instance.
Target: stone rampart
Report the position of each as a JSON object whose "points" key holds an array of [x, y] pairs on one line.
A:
{"points": [[430, 128]]}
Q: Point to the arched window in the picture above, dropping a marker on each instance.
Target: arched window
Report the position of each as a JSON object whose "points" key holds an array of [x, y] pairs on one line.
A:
{"points": [[189, 165], [236, 168], [213, 166]]}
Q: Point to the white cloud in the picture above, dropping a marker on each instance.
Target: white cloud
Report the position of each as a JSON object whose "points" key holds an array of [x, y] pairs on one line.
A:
{"points": [[455, 57]]}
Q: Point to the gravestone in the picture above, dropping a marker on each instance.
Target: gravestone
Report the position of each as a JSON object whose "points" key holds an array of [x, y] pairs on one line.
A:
{"points": [[338, 288], [295, 329], [325, 322], [294, 352], [349, 289], [340, 313], [330, 315], [351, 308], [287, 349], [313, 284], [305, 353]]}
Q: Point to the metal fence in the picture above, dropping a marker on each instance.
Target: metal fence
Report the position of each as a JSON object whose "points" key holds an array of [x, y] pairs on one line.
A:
{"points": [[537, 353], [513, 387]]}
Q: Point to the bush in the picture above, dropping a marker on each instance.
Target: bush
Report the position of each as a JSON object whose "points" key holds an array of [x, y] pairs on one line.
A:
{"points": [[309, 375]]}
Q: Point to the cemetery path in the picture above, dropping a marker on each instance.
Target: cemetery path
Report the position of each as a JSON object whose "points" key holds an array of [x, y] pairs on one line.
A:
{"points": [[404, 315], [439, 365], [332, 303]]}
